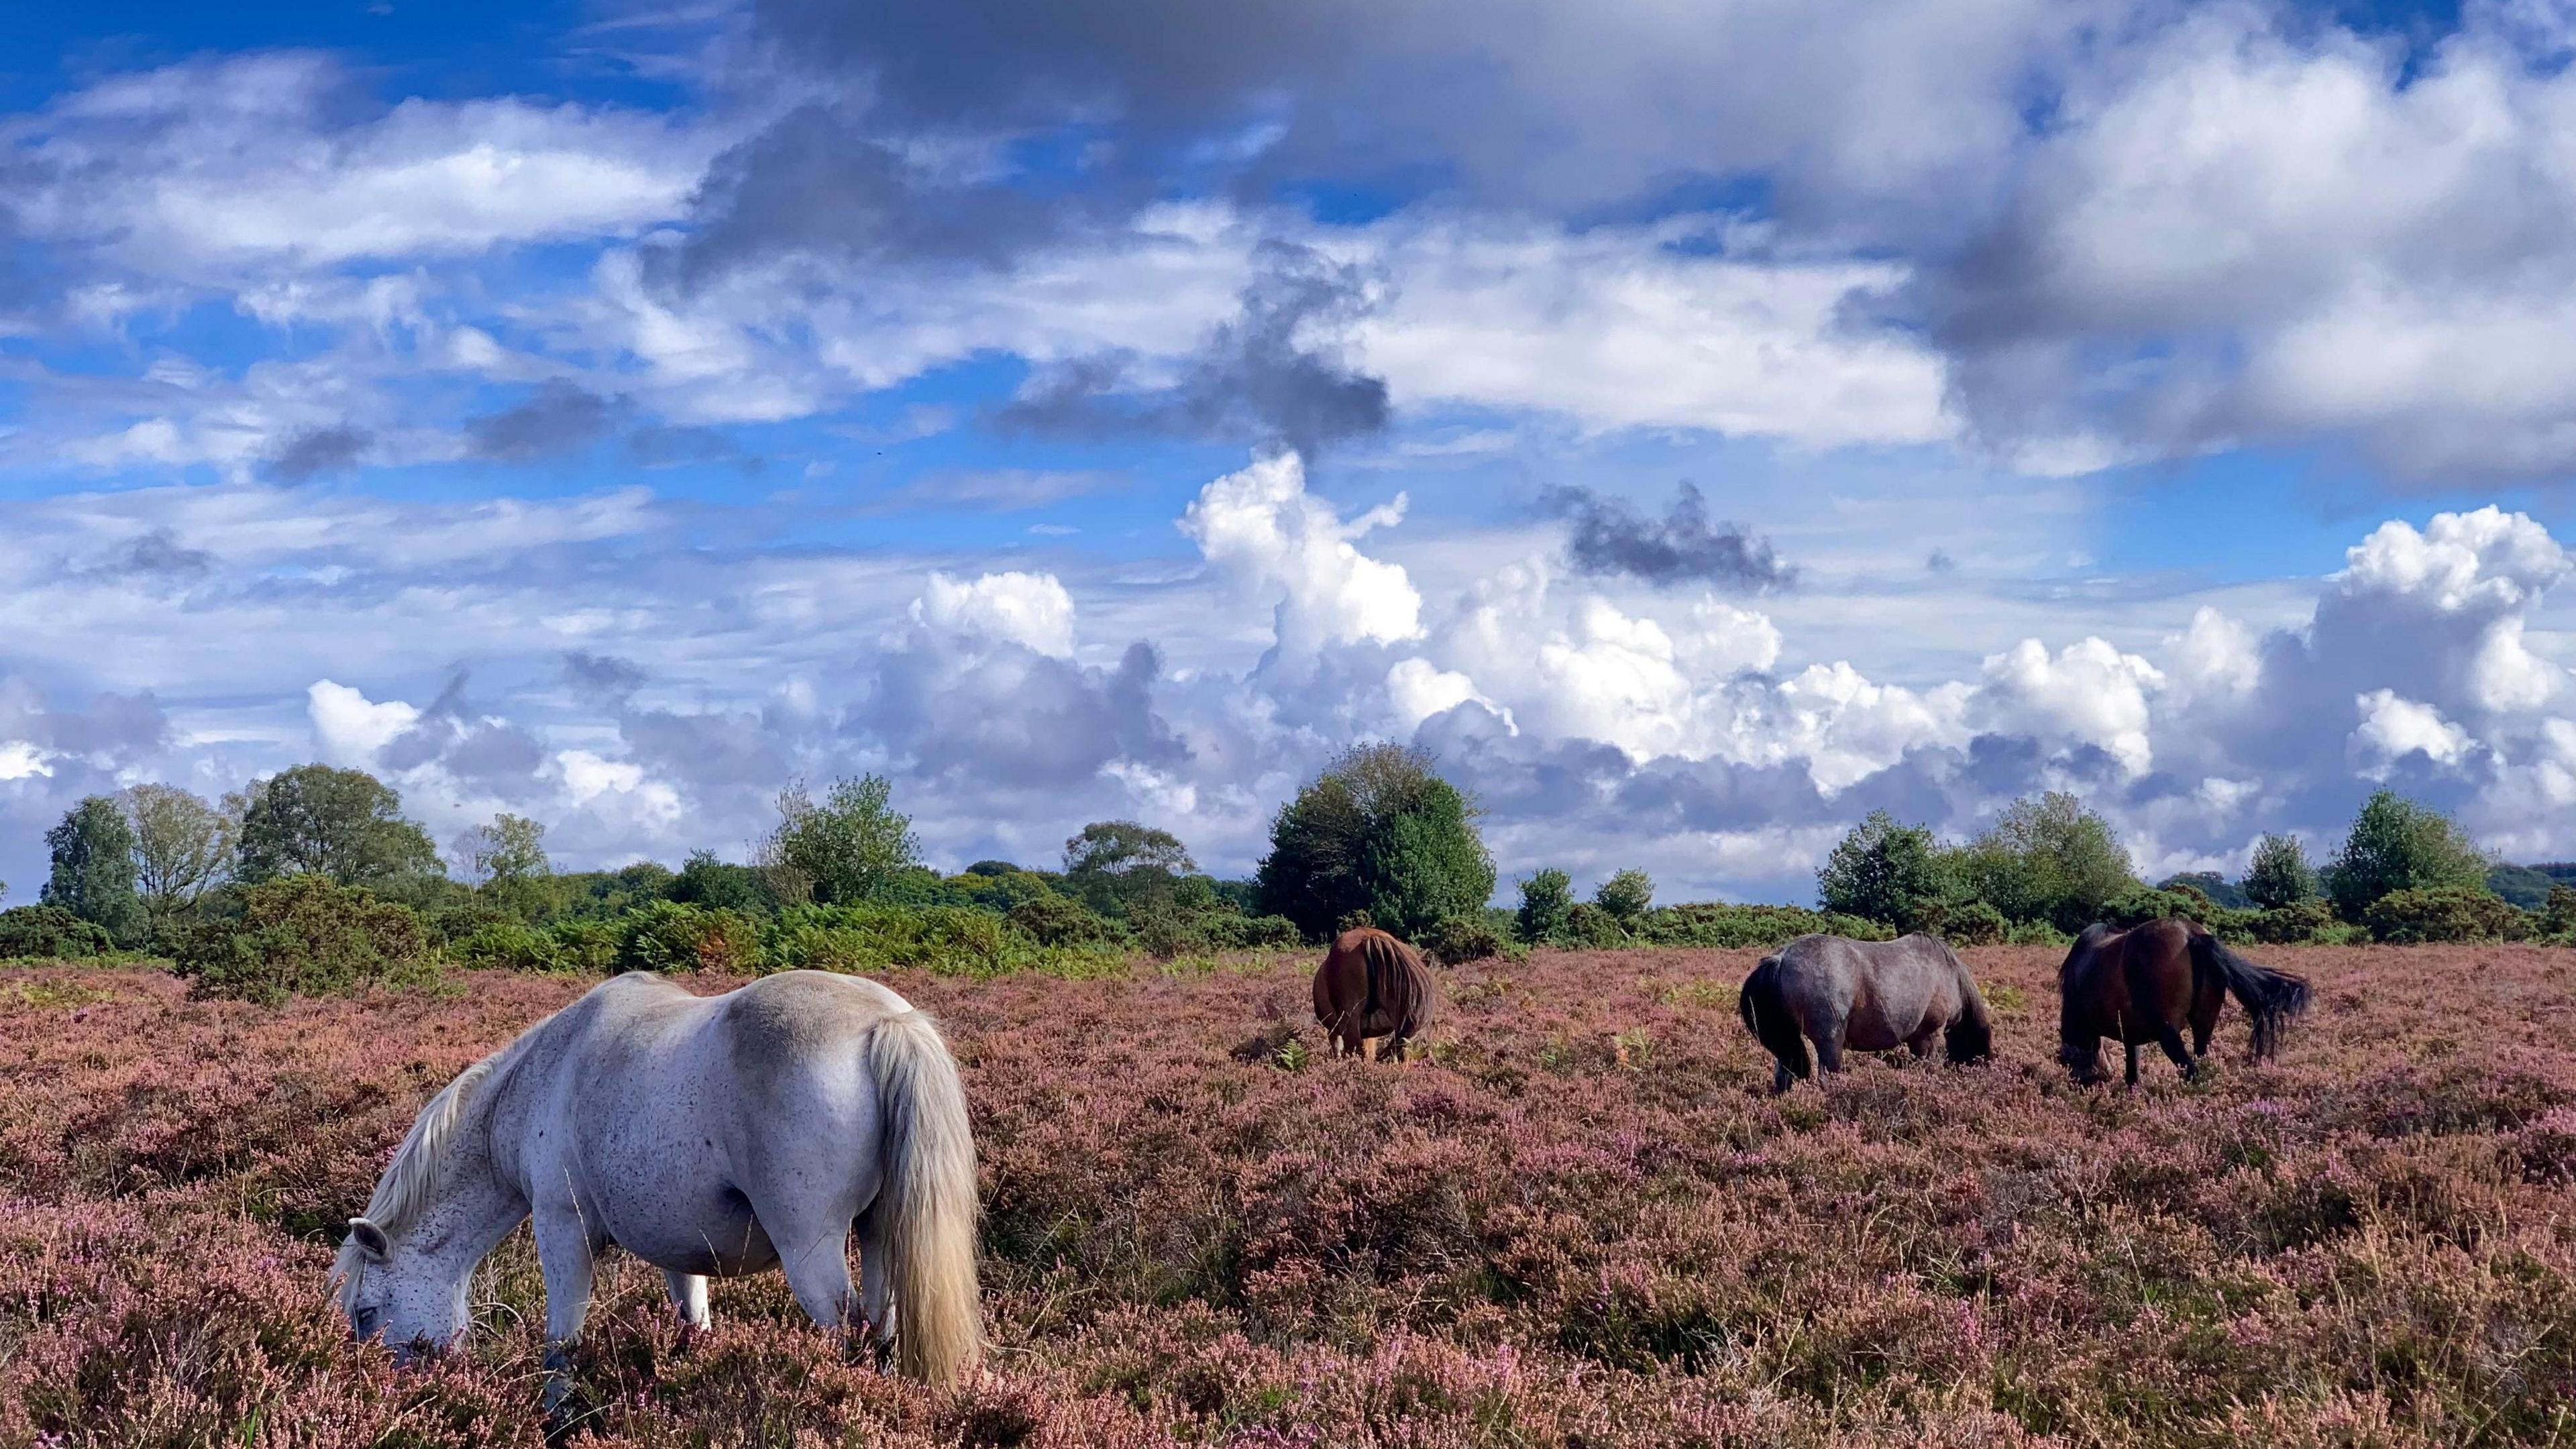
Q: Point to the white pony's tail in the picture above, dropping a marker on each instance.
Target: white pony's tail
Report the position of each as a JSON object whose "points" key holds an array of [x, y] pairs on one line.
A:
{"points": [[928, 1199]]}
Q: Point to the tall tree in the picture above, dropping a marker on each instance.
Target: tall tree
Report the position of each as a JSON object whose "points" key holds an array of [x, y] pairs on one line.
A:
{"points": [[2047, 858], [93, 869], [344, 824], [1884, 871], [1378, 830], [850, 846], [182, 845], [2279, 874], [507, 848], [2398, 844], [1117, 866]]}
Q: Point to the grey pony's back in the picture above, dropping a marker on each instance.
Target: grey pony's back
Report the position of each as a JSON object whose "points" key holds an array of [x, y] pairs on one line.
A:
{"points": [[1844, 953]]}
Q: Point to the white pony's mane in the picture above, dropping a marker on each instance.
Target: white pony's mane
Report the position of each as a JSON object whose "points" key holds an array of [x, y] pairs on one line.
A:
{"points": [[404, 1189]]}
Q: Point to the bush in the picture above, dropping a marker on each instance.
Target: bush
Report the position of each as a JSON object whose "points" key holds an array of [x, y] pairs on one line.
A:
{"points": [[2046, 858], [587, 947], [2445, 913], [2397, 844], [676, 936], [51, 932], [1721, 926], [1974, 924], [1626, 895], [1546, 899], [1884, 871], [2279, 876], [1460, 939], [2037, 933], [1588, 925], [1054, 920], [2302, 922], [303, 935], [1234, 931], [2137, 907], [1378, 831], [2558, 913], [507, 946]]}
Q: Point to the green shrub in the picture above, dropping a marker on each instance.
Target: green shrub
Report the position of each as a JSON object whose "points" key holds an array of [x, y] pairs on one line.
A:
{"points": [[2137, 907], [1973, 924], [1379, 831], [1460, 939], [51, 932], [1546, 899], [2302, 922], [587, 947], [2037, 933], [1234, 931], [1723, 926], [1884, 871], [2558, 913], [1626, 895], [676, 936], [303, 935], [2445, 913], [2279, 876], [1588, 925], [2397, 844], [506, 946], [1056, 920]]}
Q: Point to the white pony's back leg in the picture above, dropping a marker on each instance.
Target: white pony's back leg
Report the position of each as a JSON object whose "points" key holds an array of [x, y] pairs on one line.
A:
{"points": [[876, 1279], [689, 1295], [813, 1242]]}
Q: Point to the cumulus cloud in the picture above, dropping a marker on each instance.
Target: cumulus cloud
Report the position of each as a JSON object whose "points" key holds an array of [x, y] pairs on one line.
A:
{"points": [[1030, 610], [1262, 527]]}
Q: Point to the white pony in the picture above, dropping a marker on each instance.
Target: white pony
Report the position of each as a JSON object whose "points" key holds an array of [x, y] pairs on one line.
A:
{"points": [[704, 1134]]}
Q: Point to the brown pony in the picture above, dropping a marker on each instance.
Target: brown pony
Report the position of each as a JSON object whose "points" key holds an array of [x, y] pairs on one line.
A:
{"points": [[1372, 988], [2144, 984]]}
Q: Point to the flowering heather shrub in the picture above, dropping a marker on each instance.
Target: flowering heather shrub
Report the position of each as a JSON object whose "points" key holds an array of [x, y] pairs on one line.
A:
{"points": [[1582, 1220]]}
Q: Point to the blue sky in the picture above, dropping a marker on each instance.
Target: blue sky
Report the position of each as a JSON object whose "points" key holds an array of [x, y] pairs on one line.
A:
{"points": [[1699, 429]]}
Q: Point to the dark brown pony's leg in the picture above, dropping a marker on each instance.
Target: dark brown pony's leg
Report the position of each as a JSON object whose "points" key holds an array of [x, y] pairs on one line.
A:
{"points": [[2132, 1049], [2169, 1037]]}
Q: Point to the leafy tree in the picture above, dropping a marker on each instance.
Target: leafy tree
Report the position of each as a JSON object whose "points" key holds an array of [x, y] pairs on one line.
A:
{"points": [[1378, 831], [2047, 859], [1883, 871], [707, 879], [509, 848], [1626, 895], [1118, 866], [1547, 901], [93, 869], [2279, 875], [345, 825], [2397, 844], [848, 847], [2219, 890], [182, 845]]}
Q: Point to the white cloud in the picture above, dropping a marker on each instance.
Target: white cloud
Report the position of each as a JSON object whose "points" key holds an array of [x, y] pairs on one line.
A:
{"points": [[1262, 527], [2392, 728], [2088, 693], [1032, 610], [349, 727]]}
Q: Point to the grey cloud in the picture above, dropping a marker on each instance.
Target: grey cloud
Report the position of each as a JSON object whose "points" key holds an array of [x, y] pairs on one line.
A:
{"points": [[558, 418], [318, 451], [1609, 536], [675, 447], [1271, 374], [476, 749], [155, 555], [1001, 490], [602, 676], [1014, 716]]}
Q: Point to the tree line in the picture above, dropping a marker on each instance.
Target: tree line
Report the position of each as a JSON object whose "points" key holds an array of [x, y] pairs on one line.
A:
{"points": [[314, 879]]}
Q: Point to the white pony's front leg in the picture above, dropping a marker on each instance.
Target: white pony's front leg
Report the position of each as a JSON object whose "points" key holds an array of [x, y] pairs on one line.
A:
{"points": [[564, 1255]]}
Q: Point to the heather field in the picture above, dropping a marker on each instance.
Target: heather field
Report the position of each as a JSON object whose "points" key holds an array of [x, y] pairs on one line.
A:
{"points": [[1581, 1221]]}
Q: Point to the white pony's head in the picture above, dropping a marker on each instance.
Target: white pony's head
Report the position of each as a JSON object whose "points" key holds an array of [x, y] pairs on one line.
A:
{"points": [[397, 1276], [397, 1292]]}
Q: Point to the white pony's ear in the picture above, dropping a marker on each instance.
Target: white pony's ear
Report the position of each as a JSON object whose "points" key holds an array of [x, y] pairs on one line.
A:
{"points": [[370, 1239]]}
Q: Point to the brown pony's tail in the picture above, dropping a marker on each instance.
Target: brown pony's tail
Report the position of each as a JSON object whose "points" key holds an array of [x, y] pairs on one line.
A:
{"points": [[1765, 1015], [2271, 998]]}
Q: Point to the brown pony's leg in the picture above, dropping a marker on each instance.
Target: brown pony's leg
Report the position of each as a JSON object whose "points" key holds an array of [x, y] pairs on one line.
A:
{"points": [[2132, 1049], [2169, 1037]]}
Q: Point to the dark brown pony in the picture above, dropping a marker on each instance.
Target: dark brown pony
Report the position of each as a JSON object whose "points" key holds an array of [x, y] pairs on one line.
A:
{"points": [[2145, 984], [1372, 989]]}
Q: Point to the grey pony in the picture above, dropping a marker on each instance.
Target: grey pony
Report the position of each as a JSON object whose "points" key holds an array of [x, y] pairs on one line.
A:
{"points": [[1865, 996], [706, 1135]]}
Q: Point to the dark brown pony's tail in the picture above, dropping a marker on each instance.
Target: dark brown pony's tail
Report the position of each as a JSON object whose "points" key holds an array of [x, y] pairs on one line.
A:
{"points": [[1765, 1015], [2272, 998]]}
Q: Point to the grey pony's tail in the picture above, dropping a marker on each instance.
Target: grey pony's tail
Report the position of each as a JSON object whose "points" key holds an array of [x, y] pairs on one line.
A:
{"points": [[1767, 1016], [928, 1202], [2272, 998]]}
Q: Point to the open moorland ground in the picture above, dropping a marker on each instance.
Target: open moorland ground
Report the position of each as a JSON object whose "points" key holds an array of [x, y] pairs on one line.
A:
{"points": [[1583, 1221]]}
